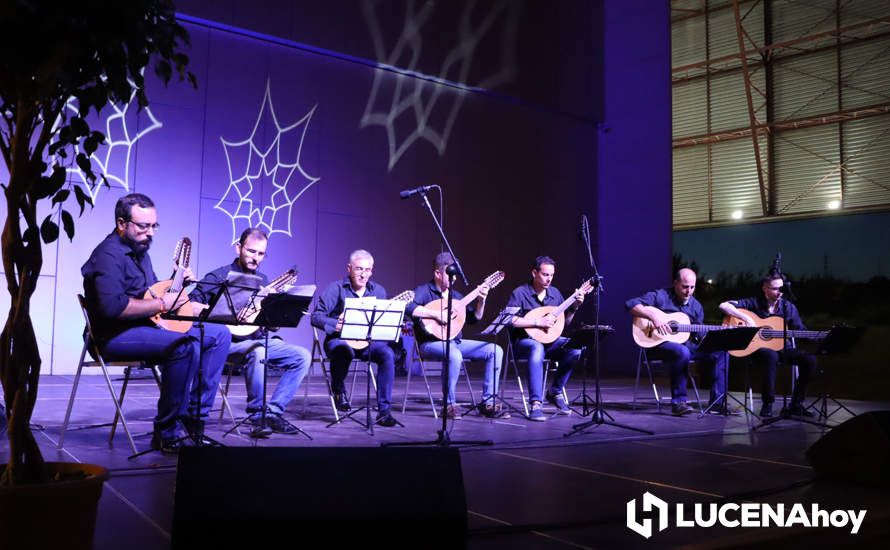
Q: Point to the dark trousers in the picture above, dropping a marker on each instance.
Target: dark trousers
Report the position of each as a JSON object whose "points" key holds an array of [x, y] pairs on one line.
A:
{"points": [[341, 355], [676, 359], [767, 360]]}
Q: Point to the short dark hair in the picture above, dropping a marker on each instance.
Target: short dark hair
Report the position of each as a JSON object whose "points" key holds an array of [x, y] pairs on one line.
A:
{"points": [[124, 206], [772, 276], [541, 260], [443, 260], [252, 232]]}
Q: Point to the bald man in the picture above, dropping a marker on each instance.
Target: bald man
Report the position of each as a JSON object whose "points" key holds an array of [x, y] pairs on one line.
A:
{"points": [[654, 306]]}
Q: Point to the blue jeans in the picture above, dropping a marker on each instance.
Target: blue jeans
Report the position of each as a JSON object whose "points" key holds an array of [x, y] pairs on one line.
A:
{"points": [[473, 350], [535, 352], [177, 354], [676, 358], [294, 360], [341, 355]]}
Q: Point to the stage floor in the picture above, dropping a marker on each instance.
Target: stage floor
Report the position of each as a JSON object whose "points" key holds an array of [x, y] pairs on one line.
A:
{"points": [[534, 487]]}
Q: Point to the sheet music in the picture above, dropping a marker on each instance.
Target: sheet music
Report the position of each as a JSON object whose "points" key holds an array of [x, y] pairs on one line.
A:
{"points": [[385, 316]]}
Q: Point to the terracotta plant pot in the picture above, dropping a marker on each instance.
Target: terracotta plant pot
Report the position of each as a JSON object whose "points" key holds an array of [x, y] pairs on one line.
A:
{"points": [[58, 514]]}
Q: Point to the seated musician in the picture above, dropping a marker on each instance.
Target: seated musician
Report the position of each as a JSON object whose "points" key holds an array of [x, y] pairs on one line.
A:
{"points": [[115, 279], [328, 317], [770, 303], [537, 293], [653, 306], [250, 350], [433, 348]]}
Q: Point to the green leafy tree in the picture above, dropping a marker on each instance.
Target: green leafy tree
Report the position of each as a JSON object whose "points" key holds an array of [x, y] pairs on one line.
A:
{"points": [[91, 52]]}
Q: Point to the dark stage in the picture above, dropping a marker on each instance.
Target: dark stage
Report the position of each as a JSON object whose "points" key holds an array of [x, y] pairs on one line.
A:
{"points": [[534, 488]]}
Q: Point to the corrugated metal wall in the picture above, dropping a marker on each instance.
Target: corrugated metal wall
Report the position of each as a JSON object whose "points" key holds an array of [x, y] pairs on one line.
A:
{"points": [[814, 79]]}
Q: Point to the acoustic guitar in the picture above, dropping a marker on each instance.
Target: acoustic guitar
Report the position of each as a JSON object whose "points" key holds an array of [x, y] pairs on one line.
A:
{"points": [[550, 334], [459, 315], [770, 335], [249, 312], [174, 286], [646, 336], [406, 296]]}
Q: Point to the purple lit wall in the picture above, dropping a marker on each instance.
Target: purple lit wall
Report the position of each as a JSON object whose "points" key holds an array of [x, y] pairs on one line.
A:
{"points": [[298, 124]]}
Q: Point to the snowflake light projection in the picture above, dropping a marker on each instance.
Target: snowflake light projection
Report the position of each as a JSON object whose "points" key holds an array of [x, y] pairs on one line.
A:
{"points": [[249, 166], [113, 157], [420, 96]]}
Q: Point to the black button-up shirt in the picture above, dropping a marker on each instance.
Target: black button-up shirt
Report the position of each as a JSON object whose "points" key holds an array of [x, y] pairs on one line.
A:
{"points": [[112, 275], [527, 299], [430, 292], [759, 306], [330, 303], [667, 301]]}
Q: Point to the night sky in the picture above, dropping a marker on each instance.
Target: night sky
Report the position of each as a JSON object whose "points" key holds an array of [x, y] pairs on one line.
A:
{"points": [[857, 247]]}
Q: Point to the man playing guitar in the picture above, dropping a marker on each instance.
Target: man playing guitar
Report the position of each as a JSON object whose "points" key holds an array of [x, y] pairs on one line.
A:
{"points": [[250, 349], [433, 348], [771, 303], [327, 316], [532, 295], [653, 306], [115, 279]]}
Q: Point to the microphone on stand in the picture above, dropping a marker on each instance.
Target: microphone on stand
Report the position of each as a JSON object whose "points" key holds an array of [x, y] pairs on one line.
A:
{"points": [[777, 263], [409, 192]]}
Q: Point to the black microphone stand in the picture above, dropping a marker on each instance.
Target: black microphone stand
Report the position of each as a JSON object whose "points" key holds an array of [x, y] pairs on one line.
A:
{"points": [[443, 438], [598, 412]]}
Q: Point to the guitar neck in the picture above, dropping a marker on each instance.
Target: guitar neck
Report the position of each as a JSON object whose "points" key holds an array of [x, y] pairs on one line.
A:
{"points": [[805, 334], [698, 328]]}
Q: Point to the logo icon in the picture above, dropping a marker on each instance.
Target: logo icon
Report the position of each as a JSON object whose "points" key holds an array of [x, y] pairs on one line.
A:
{"points": [[644, 527]]}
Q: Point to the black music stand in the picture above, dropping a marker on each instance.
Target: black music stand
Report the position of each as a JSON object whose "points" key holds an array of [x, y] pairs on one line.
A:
{"points": [[501, 320], [372, 320], [839, 339], [724, 341], [581, 337], [276, 311], [222, 290]]}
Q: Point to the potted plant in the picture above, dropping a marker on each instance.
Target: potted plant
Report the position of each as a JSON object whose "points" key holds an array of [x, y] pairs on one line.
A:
{"points": [[88, 53]]}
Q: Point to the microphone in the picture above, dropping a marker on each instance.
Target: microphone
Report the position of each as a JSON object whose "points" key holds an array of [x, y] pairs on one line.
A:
{"points": [[409, 192], [584, 232], [777, 263]]}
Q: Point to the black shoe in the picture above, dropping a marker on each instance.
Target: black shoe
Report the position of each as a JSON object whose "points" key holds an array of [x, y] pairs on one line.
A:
{"points": [[494, 411], [169, 446], [766, 411], [680, 409], [386, 420], [279, 425], [342, 402], [797, 409]]}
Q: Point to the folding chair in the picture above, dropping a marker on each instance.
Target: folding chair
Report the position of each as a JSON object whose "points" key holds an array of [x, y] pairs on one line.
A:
{"points": [[417, 358], [549, 366], [320, 358], [89, 346], [643, 359]]}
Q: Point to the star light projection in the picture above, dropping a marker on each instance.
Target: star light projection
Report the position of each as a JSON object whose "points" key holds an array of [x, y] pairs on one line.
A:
{"points": [[250, 166], [424, 107], [113, 157]]}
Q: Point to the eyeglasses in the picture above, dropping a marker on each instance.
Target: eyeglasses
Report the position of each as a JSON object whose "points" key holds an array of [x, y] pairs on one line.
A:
{"points": [[145, 226]]}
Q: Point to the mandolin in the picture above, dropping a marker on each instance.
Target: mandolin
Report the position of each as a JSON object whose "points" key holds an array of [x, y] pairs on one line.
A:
{"points": [[459, 315], [770, 335], [550, 334], [249, 312], [174, 286]]}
